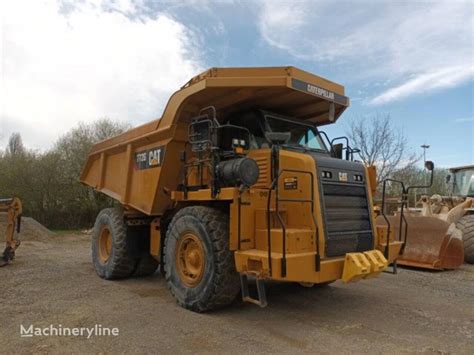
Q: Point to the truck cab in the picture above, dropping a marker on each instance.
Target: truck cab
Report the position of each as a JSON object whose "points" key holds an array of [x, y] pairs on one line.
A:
{"points": [[463, 180]]}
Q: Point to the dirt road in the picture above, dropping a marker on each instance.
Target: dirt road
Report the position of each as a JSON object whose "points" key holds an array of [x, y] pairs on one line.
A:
{"points": [[52, 282]]}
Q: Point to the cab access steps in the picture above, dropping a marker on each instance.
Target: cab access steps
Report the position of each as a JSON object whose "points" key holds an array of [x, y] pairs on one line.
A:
{"points": [[261, 299]]}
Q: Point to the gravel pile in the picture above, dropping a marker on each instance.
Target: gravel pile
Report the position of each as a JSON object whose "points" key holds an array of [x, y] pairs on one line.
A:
{"points": [[30, 229]]}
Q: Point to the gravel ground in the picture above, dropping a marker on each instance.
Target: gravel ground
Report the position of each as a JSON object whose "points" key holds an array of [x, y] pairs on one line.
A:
{"points": [[52, 282]]}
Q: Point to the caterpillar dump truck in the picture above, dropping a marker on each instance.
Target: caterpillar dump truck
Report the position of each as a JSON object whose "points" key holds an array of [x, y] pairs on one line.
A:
{"points": [[442, 231], [236, 183], [13, 209]]}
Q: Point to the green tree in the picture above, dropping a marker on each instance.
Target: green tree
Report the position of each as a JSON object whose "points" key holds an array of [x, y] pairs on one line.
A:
{"points": [[48, 183], [416, 176], [78, 204], [15, 144]]}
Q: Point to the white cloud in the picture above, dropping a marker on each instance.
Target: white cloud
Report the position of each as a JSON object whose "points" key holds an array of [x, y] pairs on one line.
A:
{"points": [[94, 59], [401, 43], [441, 79], [290, 19]]}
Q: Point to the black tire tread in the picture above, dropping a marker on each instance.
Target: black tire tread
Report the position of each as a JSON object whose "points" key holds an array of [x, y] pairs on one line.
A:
{"points": [[120, 265], [226, 284], [466, 225]]}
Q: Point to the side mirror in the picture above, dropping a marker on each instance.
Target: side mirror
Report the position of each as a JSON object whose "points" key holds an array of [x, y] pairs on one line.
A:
{"points": [[277, 138], [429, 165], [448, 179], [336, 150]]}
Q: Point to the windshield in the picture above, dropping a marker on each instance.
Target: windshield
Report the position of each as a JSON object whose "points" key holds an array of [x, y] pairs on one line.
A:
{"points": [[464, 183], [301, 135]]}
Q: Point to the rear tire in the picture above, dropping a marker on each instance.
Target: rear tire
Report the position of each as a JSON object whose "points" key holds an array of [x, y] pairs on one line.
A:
{"points": [[199, 267], [109, 246], [466, 225]]}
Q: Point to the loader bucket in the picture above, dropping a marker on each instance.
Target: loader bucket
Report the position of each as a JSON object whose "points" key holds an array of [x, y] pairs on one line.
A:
{"points": [[432, 243]]}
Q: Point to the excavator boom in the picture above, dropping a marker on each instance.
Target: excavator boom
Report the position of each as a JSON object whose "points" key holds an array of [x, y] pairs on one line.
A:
{"points": [[13, 208]]}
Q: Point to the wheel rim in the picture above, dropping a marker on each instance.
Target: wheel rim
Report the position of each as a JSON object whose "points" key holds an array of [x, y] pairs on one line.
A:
{"points": [[190, 259], [105, 244]]}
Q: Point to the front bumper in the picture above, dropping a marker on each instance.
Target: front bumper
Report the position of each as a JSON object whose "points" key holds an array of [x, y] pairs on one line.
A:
{"points": [[301, 267]]}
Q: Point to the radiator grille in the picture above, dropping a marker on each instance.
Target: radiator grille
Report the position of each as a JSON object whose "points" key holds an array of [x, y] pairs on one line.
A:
{"points": [[348, 225]]}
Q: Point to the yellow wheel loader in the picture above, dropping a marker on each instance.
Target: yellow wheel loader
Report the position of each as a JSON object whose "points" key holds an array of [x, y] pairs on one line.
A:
{"points": [[463, 192], [237, 183], [442, 231], [13, 209]]}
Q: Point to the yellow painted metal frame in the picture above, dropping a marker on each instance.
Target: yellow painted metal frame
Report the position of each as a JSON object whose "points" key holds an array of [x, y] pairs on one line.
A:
{"points": [[14, 209], [111, 169], [252, 256]]}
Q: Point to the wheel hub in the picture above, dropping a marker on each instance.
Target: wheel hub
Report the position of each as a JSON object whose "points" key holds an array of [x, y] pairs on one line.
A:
{"points": [[105, 244], [190, 259]]}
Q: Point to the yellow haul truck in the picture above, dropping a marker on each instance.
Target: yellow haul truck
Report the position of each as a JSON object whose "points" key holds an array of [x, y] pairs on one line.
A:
{"points": [[236, 180]]}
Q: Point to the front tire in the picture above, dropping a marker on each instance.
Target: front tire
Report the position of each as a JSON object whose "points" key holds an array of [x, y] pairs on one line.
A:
{"points": [[466, 225], [199, 267], [110, 247]]}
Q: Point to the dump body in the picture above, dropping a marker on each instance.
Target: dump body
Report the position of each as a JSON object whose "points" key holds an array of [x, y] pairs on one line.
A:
{"points": [[122, 167]]}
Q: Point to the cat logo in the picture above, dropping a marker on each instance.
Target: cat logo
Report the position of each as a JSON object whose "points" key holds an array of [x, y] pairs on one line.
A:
{"points": [[343, 177], [154, 157], [149, 158]]}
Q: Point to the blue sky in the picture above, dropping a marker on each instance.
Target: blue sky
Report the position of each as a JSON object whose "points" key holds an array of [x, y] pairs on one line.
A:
{"points": [[65, 61]]}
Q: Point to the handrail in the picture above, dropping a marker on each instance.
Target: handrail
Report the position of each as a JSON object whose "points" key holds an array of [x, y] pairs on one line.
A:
{"points": [[328, 140], [274, 186], [402, 203], [349, 150]]}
